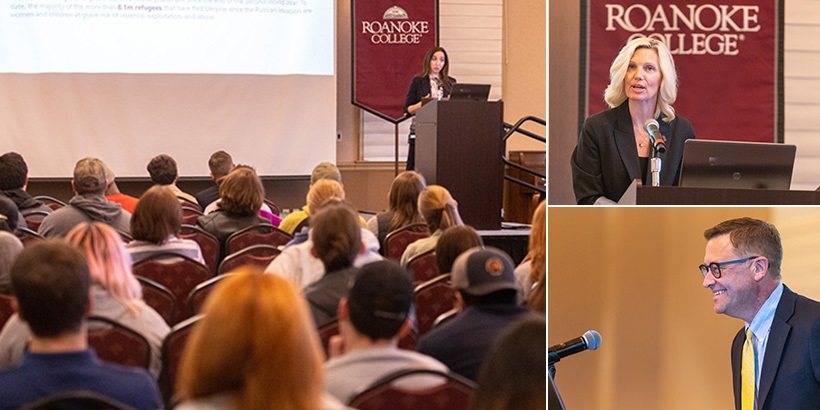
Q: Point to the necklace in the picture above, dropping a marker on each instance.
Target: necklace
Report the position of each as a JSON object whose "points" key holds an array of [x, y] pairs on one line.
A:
{"points": [[644, 141]]}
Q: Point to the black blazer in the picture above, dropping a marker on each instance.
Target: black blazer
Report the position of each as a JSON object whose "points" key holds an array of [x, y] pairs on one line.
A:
{"points": [[419, 88], [605, 161], [790, 377]]}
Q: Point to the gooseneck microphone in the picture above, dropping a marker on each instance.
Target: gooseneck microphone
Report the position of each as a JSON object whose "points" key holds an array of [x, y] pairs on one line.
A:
{"points": [[589, 341], [658, 143]]}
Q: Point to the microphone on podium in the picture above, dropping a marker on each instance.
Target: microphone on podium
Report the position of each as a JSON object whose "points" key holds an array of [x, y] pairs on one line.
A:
{"points": [[589, 341], [655, 136]]}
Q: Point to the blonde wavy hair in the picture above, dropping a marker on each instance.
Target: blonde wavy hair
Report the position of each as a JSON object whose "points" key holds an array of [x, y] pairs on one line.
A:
{"points": [[615, 93], [256, 342]]}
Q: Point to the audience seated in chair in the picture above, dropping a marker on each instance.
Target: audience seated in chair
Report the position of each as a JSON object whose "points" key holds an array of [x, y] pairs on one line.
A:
{"points": [[115, 294], [268, 350], [535, 264], [514, 375], [337, 239], [113, 194], [298, 263], [486, 296], [372, 317], [155, 227], [440, 212], [403, 199], [241, 196], [452, 243], [88, 205], [265, 211], [220, 164], [319, 193], [13, 182], [51, 281], [324, 170], [163, 171], [10, 247]]}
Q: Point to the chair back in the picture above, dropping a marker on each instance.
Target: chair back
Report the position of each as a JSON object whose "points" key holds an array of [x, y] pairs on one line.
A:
{"points": [[6, 309], [27, 236], [453, 393], [433, 298], [160, 299], [257, 255], [178, 273], [274, 209], [172, 347], [119, 344], [208, 244], [260, 234], [198, 296], [34, 219], [445, 317], [397, 241], [423, 267], [76, 400], [193, 205], [50, 202], [190, 215]]}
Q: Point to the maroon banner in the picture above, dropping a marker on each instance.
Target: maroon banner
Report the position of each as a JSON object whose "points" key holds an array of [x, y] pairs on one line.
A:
{"points": [[390, 39], [726, 53]]}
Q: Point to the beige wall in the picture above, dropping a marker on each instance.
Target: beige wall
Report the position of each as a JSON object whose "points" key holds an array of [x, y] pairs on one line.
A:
{"points": [[631, 274]]}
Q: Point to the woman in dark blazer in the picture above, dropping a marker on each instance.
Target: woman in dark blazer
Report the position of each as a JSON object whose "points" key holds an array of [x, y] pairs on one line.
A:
{"points": [[614, 147], [434, 77]]}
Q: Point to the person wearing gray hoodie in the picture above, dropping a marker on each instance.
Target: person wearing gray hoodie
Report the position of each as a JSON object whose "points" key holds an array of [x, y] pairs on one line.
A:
{"points": [[88, 204]]}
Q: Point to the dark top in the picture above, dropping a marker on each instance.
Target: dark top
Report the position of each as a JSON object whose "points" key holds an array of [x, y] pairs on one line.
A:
{"points": [[790, 376], [463, 342], [40, 375], [25, 202], [207, 195], [605, 161], [222, 224], [323, 295], [420, 88]]}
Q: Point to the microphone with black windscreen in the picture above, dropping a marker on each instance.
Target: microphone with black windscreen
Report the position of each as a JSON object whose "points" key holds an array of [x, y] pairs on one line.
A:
{"points": [[589, 341]]}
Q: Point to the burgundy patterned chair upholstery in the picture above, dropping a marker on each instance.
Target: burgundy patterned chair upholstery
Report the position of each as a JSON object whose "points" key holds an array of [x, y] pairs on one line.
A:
{"points": [[50, 202], [190, 215], [261, 234], [27, 236], [257, 255], [172, 347], [178, 273], [423, 267], [454, 393], [160, 299], [397, 241], [433, 298], [208, 244], [200, 293], [34, 219], [119, 344]]}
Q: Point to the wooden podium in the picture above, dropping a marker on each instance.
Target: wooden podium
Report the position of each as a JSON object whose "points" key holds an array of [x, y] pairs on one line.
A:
{"points": [[637, 194], [458, 146]]}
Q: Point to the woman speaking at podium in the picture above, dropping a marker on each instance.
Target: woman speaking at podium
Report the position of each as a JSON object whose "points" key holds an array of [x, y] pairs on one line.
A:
{"points": [[432, 83], [614, 146]]}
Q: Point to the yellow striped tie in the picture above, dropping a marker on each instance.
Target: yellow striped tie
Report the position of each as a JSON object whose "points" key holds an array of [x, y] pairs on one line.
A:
{"points": [[747, 373]]}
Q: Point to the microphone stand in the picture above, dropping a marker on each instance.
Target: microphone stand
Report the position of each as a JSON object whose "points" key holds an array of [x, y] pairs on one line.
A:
{"points": [[655, 164]]}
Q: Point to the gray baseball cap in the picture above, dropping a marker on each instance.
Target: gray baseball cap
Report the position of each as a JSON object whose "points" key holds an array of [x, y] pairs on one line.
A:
{"points": [[481, 271]]}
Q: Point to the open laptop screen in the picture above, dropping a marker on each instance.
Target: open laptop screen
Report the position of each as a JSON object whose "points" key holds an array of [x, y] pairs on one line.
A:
{"points": [[473, 92], [733, 164]]}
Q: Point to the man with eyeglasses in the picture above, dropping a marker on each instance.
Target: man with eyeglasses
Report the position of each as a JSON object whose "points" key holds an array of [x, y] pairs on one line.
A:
{"points": [[776, 356]]}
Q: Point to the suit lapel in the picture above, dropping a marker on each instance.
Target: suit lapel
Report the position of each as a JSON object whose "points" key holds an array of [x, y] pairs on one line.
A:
{"points": [[737, 350], [625, 141], [777, 341]]}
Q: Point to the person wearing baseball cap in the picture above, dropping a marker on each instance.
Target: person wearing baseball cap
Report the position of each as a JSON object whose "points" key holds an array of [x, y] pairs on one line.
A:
{"points": [[486, 299], [372, 317]]}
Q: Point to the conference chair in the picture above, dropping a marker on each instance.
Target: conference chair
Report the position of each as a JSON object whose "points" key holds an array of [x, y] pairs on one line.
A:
{"points": [[178, 273], [27, 236], [172, 347], [257, 255], [76, 399], [274, 209], [190, 215], [50, 202], [407, 342], [432, 299], [423, 266], [160, 299], [193, 205], [397, 241], [208, 244], [445, 317], [453, 393], [260, 234], [34, 219], [119, 344], [198, 296], [6, 309]]}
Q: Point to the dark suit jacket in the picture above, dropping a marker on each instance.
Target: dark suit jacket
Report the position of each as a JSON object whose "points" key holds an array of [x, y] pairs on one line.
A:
{"points": [[419, 88], [605, 161], [790, 377]]}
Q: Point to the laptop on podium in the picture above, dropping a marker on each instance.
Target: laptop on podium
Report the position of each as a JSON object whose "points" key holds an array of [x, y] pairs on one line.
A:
{"points": [[735, 164], [470, 92]]}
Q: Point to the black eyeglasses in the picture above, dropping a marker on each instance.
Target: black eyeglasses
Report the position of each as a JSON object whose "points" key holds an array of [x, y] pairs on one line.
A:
{"points": [[714, 267]]}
